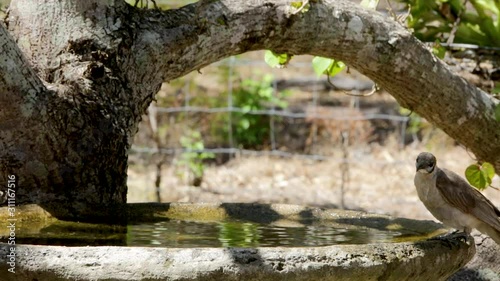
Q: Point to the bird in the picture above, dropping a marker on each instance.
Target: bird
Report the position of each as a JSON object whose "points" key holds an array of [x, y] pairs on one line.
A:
{"points": [[451, 200]]}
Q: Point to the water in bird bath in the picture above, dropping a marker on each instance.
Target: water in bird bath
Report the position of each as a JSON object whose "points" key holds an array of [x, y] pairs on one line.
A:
{"points": [[228, 225], [185, 234], [177, 233]]}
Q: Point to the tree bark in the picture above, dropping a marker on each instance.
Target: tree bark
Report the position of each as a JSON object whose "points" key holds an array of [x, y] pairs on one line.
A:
{"points": [[78, 75]]}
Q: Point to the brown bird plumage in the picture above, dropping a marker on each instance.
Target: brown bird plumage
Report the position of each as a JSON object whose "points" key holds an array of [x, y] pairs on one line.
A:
{"points": [[453, 201]]}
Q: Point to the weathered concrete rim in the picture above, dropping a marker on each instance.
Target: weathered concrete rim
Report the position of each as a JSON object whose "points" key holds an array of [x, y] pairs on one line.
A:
{"points": [[396, 261]]}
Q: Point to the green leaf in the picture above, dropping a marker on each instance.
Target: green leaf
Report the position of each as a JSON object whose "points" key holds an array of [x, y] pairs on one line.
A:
{"points": [[489, 170], [246, 108], [497, 112], [404, 111], [335, 68], [480, 176], [483, 5], [198, 146], [438, 50], [321, 65], [296, 4], [245, 123], [266, 93], [271, 59], [276, 60], [206, 155], [327, 66]]}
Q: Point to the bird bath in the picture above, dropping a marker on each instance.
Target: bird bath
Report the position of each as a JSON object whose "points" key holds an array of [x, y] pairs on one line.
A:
{"points": [[232, 241]]}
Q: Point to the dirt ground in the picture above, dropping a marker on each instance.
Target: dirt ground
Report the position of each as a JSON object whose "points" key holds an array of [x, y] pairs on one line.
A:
{"points": [[380, 181]]}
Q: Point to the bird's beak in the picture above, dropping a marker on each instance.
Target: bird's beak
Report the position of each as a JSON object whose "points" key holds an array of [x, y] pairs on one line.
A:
{"points": [[420, 168]]}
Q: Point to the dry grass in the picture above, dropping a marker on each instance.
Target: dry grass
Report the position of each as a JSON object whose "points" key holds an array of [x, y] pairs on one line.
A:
{"points": [[381, 181]]}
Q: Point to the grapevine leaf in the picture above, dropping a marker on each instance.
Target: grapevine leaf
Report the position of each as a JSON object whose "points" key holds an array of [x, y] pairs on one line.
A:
{"points": [[321, 65], [271, 59], [335, 68], [480, 176], [276, 60]]}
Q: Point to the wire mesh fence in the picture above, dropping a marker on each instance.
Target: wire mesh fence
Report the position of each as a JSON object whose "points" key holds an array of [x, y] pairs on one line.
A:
{"points": [[212, 104]]}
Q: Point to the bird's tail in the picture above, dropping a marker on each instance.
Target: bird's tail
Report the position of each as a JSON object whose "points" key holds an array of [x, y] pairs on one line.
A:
{"points": [[491, 232]]}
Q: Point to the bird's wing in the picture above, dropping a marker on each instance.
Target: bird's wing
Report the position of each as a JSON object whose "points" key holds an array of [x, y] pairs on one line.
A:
{"points": [[457, 192]]}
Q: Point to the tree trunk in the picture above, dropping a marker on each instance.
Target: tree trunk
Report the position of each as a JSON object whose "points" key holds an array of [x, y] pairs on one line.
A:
{"points": [[78, 75]]}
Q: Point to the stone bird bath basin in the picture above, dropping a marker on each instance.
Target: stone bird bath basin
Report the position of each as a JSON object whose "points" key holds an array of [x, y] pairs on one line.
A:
{"points": [[394, 249]]}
